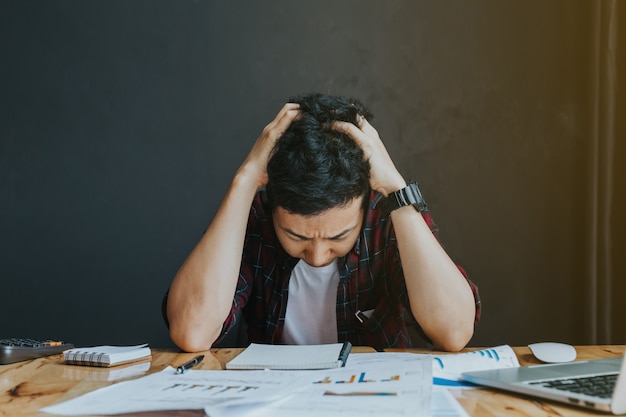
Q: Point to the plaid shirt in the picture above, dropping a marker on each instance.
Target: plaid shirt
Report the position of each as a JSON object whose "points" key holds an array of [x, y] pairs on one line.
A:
{"points": [[371, 278]]}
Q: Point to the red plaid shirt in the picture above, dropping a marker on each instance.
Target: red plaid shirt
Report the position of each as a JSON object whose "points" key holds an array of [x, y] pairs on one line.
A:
{"points": [[371, 278]]}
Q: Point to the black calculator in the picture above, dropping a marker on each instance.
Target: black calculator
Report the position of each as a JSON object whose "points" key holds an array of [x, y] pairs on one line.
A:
{"points": [[17, 350]]}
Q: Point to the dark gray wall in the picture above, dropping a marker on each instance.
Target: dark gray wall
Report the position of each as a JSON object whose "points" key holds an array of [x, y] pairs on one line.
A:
{"points": [[122, 123]]}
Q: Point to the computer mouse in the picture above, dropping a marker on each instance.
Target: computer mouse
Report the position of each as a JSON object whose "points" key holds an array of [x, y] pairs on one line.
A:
{"points": [[553, 352]]}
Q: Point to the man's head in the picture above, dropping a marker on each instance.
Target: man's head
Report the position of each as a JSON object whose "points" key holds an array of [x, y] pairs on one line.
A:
{"points": [[314, 168], [318, 181]]}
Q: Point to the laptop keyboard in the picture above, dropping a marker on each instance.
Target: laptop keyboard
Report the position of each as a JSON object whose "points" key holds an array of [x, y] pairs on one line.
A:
{"points": [[601, 386], [19, 349]]}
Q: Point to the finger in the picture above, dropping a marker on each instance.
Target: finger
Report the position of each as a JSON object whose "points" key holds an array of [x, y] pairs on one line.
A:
{"points": [[283, 124], [349, 129], [362, 125], [360, 121], [287, 108], [345, 127], [356, 134], [366, 127], [287, 114]]}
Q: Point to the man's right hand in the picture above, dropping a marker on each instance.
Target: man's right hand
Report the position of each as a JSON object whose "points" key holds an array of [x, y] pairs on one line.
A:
{"points": [[255, 163]]}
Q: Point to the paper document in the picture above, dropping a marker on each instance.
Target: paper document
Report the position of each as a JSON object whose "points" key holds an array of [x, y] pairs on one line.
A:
{"points": [[377, 389], [443, 404], [167, 390], [371, 384], [265, 356], [381, 386], [447, 369]]}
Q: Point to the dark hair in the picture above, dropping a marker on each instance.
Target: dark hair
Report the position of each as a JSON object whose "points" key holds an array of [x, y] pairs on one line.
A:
{"points": [[314, 168]]}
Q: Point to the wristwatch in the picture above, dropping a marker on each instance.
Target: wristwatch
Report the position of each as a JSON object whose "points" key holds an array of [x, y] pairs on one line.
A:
{"points": [[409, 195]]}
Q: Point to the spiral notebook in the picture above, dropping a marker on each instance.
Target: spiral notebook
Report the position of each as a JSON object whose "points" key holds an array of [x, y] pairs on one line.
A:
{"points": [[262, 356], [106, 356]]}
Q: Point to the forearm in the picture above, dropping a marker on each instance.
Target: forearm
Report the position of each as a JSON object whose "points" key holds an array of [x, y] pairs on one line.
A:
{"points": [[441, 300], [202, 291]]}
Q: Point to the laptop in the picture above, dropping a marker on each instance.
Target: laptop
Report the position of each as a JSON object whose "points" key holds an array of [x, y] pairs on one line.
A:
{"points": [[598, 384]]}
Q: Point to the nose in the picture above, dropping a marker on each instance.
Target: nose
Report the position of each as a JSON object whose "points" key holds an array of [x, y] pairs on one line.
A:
{"points": [[318, 254]]}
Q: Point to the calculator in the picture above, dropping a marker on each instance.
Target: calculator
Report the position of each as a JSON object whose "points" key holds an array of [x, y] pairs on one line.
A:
{"points": [[17, 350]]}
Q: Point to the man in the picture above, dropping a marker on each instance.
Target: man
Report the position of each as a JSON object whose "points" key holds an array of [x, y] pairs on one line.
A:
{"points": [[319, 239]]}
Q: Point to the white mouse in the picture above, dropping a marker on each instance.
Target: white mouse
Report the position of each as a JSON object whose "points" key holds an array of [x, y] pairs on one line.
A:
{"points": [[553, 352]]}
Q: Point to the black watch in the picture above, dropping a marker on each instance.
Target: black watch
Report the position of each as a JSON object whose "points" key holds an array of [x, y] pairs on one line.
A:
{"points": [[409, 195]]}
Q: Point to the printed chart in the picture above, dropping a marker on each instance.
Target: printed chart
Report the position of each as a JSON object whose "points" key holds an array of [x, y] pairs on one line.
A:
{"points": [[357, 379]]}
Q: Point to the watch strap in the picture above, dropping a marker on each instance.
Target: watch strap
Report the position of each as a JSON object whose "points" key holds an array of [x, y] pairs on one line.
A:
{"points": [[407, 196]]}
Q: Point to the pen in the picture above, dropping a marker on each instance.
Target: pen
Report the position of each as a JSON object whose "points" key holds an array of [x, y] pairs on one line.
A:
{"points": [[187, 366]]}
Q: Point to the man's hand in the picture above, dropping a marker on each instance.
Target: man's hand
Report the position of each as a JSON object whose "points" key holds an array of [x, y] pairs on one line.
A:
{"points": [[255, 164], [384, 177]]}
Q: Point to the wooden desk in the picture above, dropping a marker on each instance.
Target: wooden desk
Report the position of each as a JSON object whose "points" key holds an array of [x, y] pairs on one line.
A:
{"points": [[27, 386]]}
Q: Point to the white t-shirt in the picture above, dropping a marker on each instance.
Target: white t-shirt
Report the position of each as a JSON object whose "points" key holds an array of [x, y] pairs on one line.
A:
{"points": [[311, 316]]}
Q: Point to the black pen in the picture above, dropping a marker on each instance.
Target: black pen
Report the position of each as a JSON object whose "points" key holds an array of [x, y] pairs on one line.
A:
{"points": [[187, 366]]}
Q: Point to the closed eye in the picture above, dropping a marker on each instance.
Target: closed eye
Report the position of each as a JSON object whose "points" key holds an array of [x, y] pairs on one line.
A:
{"points": [[294, 236]]}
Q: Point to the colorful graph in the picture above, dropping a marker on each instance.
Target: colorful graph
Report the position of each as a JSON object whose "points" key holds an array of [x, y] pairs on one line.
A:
{"points": [[361, 393], [354, 379]]}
